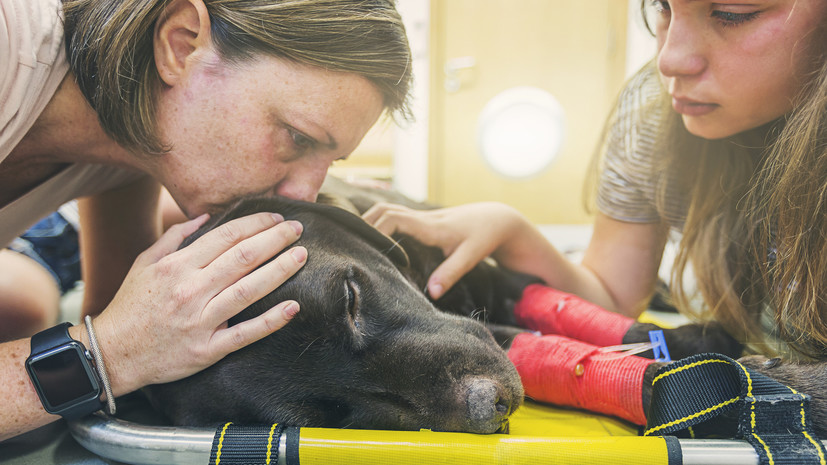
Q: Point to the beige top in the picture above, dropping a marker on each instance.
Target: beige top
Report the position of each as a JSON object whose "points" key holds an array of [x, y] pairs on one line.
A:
{"points": [[32, 65]]}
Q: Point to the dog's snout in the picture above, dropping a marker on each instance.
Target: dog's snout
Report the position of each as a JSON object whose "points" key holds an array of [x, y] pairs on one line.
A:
{"points": [[488, 405]]}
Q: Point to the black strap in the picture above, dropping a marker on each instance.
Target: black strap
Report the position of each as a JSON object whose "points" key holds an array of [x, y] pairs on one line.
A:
{"points": [[712, 395], [246, 444], [51, 338]]}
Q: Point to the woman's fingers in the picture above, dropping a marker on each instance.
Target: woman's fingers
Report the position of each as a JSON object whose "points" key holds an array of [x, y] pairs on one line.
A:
{"points": [[227, 340], [252, 287], [246, 255], [466, 234], [183, 299], [221, 239], [389, 218]]}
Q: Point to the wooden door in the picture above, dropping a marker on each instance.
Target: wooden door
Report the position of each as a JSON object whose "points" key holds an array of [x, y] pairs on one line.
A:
{"points": [[573, 49]]}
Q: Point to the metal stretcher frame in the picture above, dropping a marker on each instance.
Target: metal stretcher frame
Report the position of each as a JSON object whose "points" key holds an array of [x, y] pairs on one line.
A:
{"points": [[134, 443]]}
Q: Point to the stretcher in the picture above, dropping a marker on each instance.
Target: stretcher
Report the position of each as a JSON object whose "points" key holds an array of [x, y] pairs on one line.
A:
{"points": [[538, 435]]}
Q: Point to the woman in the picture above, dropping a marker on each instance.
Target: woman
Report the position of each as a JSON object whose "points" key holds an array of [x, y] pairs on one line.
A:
{"points": [[213, 99], [721, 137]]}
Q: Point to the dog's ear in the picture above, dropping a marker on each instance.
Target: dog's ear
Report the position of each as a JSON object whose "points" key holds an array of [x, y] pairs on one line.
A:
{"points": [[292, 209], [337, 201], [355, 223]]}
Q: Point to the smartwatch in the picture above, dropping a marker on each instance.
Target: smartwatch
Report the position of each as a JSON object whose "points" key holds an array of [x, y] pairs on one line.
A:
{"points": [[62, 374]]}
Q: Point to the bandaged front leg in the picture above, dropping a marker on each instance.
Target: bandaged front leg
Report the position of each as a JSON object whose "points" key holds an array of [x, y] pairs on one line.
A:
{"points": [[562, 371], [550, 311]]}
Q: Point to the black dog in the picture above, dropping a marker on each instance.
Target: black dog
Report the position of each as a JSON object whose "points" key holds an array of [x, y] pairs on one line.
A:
{"points": [[368, 349]]}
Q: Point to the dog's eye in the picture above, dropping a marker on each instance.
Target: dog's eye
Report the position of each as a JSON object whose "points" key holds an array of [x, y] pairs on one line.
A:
{"points": [[352, 300]]}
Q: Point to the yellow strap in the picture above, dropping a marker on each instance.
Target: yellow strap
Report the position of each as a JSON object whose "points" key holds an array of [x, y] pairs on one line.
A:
{"points": [[270, 443], [686, 367], [689, 417], [221, 443]]}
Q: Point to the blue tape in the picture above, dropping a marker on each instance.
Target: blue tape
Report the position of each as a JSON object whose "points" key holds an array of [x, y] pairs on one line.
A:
{"points": [[659, 346]]}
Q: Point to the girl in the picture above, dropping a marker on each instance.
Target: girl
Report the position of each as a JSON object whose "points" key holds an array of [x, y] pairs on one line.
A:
{"points": [[723, 137]]}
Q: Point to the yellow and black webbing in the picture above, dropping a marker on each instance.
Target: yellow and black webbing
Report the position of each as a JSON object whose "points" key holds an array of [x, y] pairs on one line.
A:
{"points": [[262, 445], [711, 395], [252, 444]]}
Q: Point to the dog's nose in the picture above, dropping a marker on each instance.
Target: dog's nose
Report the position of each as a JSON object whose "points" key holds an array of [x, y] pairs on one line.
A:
{"points": [[488, 405]]}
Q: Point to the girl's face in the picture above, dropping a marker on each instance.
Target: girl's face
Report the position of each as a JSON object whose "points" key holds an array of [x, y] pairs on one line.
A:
{"points": [[734, 65], [269, 126]]}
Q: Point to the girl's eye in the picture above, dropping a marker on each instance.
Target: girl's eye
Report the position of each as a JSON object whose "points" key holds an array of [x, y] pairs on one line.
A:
{"points": [[729, 18], [726, 18]]}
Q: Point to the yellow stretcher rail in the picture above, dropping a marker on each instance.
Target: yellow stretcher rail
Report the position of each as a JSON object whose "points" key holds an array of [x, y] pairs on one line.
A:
{"points": [[334, 447]]}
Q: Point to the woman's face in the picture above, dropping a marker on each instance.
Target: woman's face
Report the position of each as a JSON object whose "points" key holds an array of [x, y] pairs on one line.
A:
{"points": [[267, 126], [734, 65]]}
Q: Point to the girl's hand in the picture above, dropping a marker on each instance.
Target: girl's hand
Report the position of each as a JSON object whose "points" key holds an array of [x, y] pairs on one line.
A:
{"points": [[467, 234], [169, 318]]}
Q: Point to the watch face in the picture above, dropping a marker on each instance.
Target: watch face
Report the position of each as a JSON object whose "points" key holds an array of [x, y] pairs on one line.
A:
{"points": [[64, 376]]}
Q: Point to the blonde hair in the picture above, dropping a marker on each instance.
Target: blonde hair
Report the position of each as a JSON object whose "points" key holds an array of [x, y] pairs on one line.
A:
{"points": [[110, 50], [755, 232]]}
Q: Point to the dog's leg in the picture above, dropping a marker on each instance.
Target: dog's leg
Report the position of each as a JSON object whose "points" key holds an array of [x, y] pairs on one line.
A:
{"points": [[554, 312]]}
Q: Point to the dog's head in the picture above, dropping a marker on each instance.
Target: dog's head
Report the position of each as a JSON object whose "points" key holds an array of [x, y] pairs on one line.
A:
{"points": [[367, 349]]}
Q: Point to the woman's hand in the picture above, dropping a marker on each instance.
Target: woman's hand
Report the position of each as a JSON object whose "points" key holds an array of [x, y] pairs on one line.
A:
{"points": [[466, 234], [169, 318]]}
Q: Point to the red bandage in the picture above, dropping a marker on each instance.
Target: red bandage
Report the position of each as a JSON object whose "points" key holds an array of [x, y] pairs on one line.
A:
{"points": [[550, 311], [563, 371]]}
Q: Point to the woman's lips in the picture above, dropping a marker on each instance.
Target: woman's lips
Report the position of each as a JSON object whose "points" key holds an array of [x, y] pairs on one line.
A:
{"points": [[691, 107]]}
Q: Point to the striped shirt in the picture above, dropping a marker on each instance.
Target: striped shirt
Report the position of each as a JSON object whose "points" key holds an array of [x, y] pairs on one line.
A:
{"points": [[628, 181]]}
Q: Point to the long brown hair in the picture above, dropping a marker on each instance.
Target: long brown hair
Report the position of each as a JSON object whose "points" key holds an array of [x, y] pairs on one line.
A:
{"points": [[755, 230], [109, 45], [716, 175], [788, 202]]}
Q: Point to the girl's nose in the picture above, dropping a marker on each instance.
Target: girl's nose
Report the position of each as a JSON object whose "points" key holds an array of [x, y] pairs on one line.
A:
{"points": [[682, 48]]}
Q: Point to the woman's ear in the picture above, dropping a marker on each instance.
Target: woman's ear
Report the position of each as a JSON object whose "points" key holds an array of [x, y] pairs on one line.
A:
{"points": [[181, 33]]}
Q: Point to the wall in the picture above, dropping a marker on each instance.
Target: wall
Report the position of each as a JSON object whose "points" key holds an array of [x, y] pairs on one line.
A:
{"points": [[409, 156]]}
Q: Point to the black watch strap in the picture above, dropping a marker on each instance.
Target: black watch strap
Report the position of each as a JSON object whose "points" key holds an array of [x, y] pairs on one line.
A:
{"points": [[52, 337]]}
